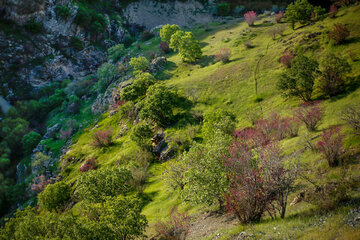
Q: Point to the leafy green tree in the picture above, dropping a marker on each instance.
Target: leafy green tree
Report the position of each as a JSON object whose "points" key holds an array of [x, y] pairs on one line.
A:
{"points": [[141, 82], [83, 17], [54, 196], [141, 134], [299, 79], [158, 105], [12, 131], [300, 11], [55, 100], [115, 52], [95, 186], [140, 64], [167, 31], [333, 72], [175, 174], [106, 74], [187, 45], [4, 155], [206, 176], [176, 40], [30, 141], [190, 49], [218, 121]]}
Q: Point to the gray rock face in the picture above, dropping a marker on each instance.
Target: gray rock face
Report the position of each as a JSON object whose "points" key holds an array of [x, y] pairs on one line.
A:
{"points": [[21, 11], [153, 13]]}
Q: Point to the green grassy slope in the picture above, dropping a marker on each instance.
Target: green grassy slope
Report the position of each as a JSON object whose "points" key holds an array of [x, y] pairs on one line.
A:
{"points": [[232, 86]]}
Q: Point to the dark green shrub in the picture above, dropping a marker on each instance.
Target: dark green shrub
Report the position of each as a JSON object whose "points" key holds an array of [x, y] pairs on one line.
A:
{"points": [[34, 26], [12, 131], [30, 141], [223, 9], [333, 74], [158, 105], [63, 11], [141, 134], [146, 35], [77, 43], [106, 74], [54, 196], [83, 17], [138, 89]]}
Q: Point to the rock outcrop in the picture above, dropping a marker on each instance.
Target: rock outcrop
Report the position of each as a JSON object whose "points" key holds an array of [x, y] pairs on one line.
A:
{"points": [[154, 13]]}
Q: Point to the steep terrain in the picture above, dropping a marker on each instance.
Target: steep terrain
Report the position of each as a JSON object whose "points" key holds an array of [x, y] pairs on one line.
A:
{"points": [[244, 86]]}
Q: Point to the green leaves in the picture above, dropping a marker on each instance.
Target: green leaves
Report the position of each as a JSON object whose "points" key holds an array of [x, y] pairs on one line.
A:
{"points": [[299, 79], [187, 45], [54, 196], [138, 89], [140, 64], [167, 31], [95, 186]]}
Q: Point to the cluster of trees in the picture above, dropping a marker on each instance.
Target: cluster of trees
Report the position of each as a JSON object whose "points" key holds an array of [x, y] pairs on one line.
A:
{"points": [[185, 42], [251, 178], [305, 75], [107, 210]]}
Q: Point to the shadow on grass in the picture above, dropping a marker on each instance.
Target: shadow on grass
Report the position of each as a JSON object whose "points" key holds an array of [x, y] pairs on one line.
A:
{"points": [[166, 74], [147, 198], [206, 60], [350, 88]]}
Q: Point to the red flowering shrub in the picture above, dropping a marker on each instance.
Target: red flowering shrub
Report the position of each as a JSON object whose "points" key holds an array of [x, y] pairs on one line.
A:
{"points": [[287, 58], [89, 164], [249, 192], [333, 11], [223, 55], [310, 114], [102, 138], [279, 16], [339, 33], [250, 18], [65, 134], [164, 47], [39, 183], [175, 228], [331, 146]]}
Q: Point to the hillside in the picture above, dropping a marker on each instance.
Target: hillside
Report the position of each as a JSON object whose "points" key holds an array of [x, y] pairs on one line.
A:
{"points": [[246, 87]]}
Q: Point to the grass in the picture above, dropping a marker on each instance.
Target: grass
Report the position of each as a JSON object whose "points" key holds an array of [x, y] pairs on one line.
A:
{"points": [[231, 86]]}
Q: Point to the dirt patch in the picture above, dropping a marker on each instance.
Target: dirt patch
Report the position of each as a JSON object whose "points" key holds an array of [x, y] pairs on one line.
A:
{"points": [[209, 223]]}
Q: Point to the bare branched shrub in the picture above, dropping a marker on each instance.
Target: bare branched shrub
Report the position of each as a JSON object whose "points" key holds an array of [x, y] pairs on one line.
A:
{"points": [[352, 117], [176, 228]]}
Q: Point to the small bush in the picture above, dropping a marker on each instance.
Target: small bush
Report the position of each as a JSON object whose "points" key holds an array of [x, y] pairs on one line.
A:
{"points": [[223, 9], [250, 18], [164, 47], [33, 26], [115, 52], [141, 134], [89, 164], [333, 11], [352, 117], [39, 183], [83, 17], [339, 33], [331, 146], [77, 43], [333, 72], [310, 114], [63, 11], [106, 74], [139, 64], [279, 17], [276, 30], [102, 138], [54, 196], [176, 228], [248, 44], [223, 55], [146, 35], [30, 141], [287, 58]]}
